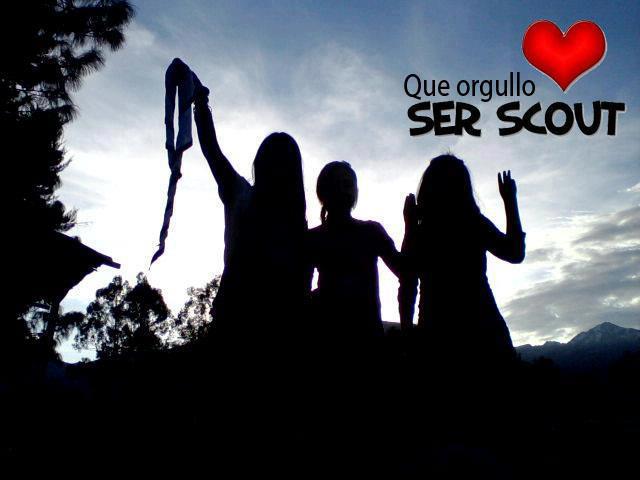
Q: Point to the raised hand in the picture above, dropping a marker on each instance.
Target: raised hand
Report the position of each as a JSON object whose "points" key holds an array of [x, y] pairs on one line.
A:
{"points": [[507, 186], [201, 93], [410, 211], [512, 248]]}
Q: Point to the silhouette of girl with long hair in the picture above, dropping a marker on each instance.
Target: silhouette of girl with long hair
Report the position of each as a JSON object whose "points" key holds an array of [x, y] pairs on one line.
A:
{"points": [[445, 245], [345, 251], [265, 280]]}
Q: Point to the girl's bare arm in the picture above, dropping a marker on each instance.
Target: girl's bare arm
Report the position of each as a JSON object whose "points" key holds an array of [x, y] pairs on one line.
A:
{"points": [[221, 168]]}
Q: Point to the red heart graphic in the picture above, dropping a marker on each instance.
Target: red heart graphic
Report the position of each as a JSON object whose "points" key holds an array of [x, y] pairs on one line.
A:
{"points": [[564, 57]]}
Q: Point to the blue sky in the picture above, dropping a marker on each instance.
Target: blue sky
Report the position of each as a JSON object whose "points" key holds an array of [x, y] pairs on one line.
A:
{"points": [[331, 74]]}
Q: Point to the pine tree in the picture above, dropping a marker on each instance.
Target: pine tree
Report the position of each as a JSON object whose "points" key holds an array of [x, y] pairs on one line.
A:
{"points": [[49, 46]]}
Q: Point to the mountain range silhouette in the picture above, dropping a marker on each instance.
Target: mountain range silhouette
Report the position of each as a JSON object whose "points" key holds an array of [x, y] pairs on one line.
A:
{"points": [[596, 348]]}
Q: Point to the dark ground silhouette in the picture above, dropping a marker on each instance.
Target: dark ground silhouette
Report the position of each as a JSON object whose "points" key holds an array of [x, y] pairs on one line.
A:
{"points": [[396, 418]]}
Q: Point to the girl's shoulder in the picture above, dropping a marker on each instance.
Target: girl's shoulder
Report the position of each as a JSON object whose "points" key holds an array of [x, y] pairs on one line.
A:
{"points": [[316, 230], [372, 227], [357, 228], [314, 236], [374, 232]]}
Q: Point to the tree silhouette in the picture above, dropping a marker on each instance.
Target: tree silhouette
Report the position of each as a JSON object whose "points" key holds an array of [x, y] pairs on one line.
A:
{"points": [[51, 46], [51, 327], [195, 318], [124, 319]]}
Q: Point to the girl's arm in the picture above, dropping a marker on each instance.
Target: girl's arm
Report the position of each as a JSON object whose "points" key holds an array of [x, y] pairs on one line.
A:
{"points": [[308, 262], [222, 170], [509, 247], [407, 293], [394, 260], [408, 289], [397, 261], [400, 263]]}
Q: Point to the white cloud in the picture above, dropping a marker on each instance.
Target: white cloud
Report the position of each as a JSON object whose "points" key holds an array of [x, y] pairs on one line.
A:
{"points": [[593, 276], [634, 189], [139, 37]]}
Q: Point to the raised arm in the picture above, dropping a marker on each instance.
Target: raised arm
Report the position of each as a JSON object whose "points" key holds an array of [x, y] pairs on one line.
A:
{"points": [[408, 288], [395, 260], [220, 166], [308, 261], [407, 294], [399, 264], [509, 247]]}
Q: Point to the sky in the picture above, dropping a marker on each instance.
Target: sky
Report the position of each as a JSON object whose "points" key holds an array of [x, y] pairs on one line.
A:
{"points": [[331, 74]]}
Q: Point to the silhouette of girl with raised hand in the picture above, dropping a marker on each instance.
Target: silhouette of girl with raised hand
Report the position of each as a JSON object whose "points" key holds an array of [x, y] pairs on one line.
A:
{"points": [[445, 247], [345, 251], [265, 280]]}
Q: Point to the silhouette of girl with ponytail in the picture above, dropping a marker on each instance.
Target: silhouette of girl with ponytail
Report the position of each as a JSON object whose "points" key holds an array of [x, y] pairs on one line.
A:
{"points": [[446, 243], [345, 251]]}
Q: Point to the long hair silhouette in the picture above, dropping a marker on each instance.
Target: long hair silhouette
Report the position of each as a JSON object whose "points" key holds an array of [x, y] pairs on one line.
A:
{"points": [[265, 278], [446, 250], [445, 191], [277, 179]]}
